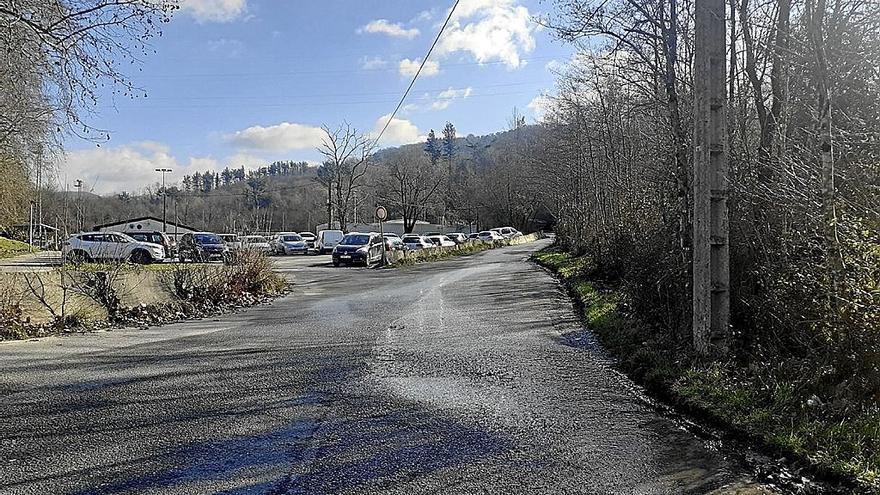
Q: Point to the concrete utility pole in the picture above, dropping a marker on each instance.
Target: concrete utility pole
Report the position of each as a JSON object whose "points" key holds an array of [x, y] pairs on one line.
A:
{"points": [[711, 256], [164, 171]]}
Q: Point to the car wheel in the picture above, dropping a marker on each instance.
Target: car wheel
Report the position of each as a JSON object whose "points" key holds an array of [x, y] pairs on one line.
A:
{"points": [[141, 257], [336, 263]]}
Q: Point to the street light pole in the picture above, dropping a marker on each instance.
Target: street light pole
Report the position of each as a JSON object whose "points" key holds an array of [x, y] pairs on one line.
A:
{"points": [[78, 184], [164, 171]]}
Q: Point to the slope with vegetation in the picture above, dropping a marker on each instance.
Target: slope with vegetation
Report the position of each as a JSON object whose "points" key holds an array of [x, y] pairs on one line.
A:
{"points": [[802, 370]]}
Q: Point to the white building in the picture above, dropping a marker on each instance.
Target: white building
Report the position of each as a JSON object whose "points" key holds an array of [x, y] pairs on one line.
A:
{"points": [[146, 224]]}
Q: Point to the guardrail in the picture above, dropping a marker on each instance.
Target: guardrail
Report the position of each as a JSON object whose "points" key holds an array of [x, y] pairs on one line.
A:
{"points": [[397, 257]]}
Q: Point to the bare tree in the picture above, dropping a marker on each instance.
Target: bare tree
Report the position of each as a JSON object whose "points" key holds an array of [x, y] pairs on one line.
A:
{"points": [[411, 182], [347, 153]]}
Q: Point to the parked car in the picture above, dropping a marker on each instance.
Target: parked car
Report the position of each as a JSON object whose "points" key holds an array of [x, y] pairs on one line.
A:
{"points": [[310, 239], [327, 240], [394, 244], [231, 240], [289, 243], [474, 237], [497, 231], [416, 242], [441, 241], [256, 243], [489, 236], [155, 237], [201, 247], [109, 246], [358, 248], [509, 232], [457, 237]]}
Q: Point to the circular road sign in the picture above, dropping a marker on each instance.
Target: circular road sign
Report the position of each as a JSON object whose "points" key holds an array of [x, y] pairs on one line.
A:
{"points": [[381, 213]]}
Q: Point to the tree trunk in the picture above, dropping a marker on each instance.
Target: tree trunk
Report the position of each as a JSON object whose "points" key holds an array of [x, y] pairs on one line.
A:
{"points": [[834, 261], [670, 40]]}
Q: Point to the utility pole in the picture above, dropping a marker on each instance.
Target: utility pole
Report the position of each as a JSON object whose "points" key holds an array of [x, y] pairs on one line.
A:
{"points": [[711, 255], [164, 171], [78, 184]]}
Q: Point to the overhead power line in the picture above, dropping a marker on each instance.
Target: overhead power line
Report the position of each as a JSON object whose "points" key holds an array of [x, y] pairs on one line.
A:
{"points": [[416, 76]]}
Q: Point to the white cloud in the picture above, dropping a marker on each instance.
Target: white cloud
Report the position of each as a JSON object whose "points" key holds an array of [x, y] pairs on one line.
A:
{"points": [[409, 68], [214, 10], [446, 97], [539, 105], [490, 30], [373, 63], [399, 131], [424, 16], [277, 138], [231, 48], [128, 167], [383, 26]]}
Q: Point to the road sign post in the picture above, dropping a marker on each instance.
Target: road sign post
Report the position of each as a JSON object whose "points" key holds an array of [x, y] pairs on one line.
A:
{"points": [[382, 215]]}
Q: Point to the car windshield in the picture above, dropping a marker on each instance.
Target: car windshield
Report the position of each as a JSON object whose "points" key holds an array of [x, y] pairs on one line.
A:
{"points": [[207, 239], [154, 238], [291, 238], [255, 239], [355, 240]]}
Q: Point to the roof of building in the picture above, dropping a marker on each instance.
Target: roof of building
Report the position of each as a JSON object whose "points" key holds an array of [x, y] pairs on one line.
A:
{"points": [[141, 219]]}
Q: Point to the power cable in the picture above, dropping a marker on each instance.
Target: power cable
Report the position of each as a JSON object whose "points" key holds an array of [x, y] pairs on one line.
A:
{"points": [[416, 76]]}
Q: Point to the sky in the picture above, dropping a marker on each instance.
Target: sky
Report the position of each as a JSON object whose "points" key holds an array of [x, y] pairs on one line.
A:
{"points": [[247, 82]]}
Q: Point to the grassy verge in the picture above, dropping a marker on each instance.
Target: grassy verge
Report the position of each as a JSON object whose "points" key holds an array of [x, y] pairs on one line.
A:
{"points": [[10, 248], [770, 404], [94, 296]]}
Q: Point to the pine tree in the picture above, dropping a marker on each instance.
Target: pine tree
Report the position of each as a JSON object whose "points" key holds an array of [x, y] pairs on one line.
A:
{"points": [[432, 148]]}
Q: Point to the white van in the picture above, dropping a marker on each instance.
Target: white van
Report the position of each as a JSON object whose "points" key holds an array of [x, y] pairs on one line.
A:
{"points": [[327, 240]]}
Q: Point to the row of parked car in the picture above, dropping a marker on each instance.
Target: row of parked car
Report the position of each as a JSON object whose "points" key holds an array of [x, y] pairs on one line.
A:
{"points": [[366, 248], [152, 247]]}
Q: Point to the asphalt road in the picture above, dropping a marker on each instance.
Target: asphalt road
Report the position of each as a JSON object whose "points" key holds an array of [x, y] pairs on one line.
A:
{"points": [[471, 375]]}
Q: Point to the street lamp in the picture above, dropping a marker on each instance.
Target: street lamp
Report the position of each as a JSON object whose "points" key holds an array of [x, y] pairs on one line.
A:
{"points": [[78, 184], [164, 171]]}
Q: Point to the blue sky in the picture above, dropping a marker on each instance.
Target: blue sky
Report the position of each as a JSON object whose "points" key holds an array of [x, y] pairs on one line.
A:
{"points": [[245, 82]]}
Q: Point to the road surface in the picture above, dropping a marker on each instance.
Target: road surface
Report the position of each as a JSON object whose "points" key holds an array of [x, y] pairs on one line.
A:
{"points": [[471, 375]]}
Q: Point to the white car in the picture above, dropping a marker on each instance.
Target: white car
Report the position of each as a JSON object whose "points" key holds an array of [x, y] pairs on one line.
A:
{"points": [[509, 232], [441, 241], [489, 236], [416, 242], [256, 243], [110, 246], [310, 239], [327, 240], [231, 240]]}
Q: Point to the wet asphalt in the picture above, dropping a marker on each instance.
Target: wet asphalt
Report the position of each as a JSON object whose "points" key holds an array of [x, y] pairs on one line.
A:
{"points": [[472, 375]]}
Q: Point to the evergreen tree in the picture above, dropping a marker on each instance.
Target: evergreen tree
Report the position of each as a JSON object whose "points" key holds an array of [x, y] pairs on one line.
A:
{"points": [[432, 148], [448, 146]]}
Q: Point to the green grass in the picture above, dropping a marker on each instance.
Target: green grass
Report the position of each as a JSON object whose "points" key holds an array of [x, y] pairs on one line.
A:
{"points": [[767, 403], [10, 248]]}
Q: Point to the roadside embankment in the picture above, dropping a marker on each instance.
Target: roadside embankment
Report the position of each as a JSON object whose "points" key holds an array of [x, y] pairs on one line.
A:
{"points": [[10, 248], [768, 405], [85, 297], [403, 258]]}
